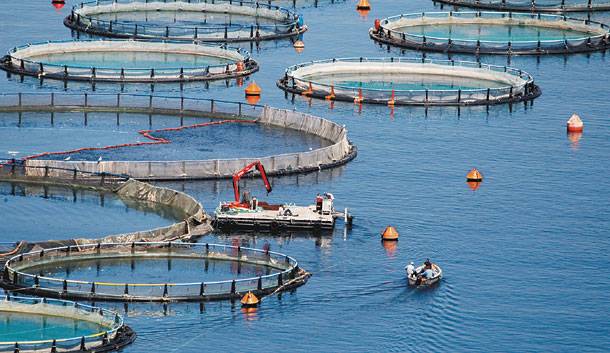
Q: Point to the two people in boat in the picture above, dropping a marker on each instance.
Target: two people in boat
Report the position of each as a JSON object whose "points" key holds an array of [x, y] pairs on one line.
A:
{"points": [[426, 272]]}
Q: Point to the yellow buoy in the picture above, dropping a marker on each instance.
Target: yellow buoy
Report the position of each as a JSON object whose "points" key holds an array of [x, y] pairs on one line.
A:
{"points": [[249, 300], [253, 90], [363, 5], [390, 233], [474, 175]]}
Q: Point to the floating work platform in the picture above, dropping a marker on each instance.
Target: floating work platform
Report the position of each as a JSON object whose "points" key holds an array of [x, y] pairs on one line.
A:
{"points": [[264, 216]]}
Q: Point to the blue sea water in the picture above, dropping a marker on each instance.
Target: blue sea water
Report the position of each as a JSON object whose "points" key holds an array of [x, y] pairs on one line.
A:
{"points": [[16, 327], [491, 32], [39, 213], [525, 256], [130, 60]]}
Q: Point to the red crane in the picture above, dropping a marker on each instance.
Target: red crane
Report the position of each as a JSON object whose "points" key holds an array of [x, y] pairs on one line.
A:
{"points": [[237, 176]]}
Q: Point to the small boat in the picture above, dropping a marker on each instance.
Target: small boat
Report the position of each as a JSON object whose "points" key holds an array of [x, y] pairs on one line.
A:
{"points": [[416, 279]]}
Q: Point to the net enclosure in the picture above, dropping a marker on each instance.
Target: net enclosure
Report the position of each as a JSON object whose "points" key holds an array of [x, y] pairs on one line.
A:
{"points": [[16, 276], [339, 151], [131, 19], [533, 5], [128, 61], [409, 81], [492, 33], [113, 333]]}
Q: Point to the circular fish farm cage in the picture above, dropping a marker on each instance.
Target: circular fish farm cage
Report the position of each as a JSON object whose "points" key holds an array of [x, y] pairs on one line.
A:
{"points": [[551, 6], [409, 81], [281, 272], [185, 20], [492, 33], [51, 325], [128, 61], [333, 145]]}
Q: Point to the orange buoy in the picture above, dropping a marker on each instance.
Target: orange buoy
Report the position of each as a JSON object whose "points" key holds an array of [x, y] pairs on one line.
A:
{"points": [[392, 100], [575, 124], [363, 5], [253, 90], [390, 234], [249, 300], [474, 175], [299, 46], [309, 91], [58, 4], [331, 96], [359, 99], [253, 99], [363, 13]]}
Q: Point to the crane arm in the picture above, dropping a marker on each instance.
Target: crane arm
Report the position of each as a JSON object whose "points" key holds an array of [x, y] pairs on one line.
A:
{"points": [[237, 176]]}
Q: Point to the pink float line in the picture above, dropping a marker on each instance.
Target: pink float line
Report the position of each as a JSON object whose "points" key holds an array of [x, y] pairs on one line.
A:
{"points": [[146, 133]]}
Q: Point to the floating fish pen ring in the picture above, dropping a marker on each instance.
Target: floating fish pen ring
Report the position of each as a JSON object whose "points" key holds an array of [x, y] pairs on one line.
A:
{"points": [[409, 81], [113, 336], [34, 60], [286, 23], [409, 31], [14, 276], [531, 6]]}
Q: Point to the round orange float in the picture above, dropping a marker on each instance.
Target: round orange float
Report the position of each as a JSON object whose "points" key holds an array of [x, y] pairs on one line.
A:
{"points": [[474, 175], [389, 234], [575, 124], [249, 300]]}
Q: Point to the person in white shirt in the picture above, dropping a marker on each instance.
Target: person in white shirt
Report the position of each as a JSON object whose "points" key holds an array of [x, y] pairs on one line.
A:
{"points": [[410, 269]]}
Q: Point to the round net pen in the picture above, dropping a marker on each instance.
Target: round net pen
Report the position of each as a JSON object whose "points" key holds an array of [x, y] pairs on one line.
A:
{"points": [[114, 333], [266, 21], [339, 151], [409, 31], [549, 6], [32, 60], [16, 276], [447, 82]]}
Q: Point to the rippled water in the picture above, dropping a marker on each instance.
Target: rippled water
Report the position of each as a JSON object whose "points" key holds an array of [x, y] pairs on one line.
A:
{"points": [[29, 327], [130, 60], [525, 256], [151, 270], [180, 18], [405, 82], [39, 213], [493, 32], [33, 133]]}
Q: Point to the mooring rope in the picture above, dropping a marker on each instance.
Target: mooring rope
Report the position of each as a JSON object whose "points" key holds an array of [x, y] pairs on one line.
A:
{"points": [[149, 134]]}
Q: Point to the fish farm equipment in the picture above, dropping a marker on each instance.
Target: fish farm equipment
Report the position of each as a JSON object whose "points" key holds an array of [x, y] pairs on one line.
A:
{"points": [[50, 326], [41, 272], [128, 61], [409, 81], [248, 212], [500, 33], [185, 20]]}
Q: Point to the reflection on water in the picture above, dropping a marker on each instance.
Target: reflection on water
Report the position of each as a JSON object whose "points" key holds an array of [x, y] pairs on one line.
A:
{"points": [[42, 212]]}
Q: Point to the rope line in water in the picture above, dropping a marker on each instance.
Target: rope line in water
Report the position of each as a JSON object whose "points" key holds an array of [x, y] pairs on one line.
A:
{"points": [[149, 134]]}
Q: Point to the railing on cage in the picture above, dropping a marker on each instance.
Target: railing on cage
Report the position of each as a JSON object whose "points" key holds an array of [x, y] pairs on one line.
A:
{"points": [[417, 95], [508, 45], [67, 343], [290, 23], [14, 270]]}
